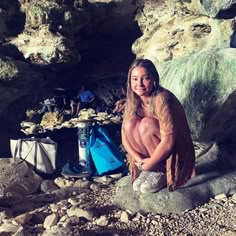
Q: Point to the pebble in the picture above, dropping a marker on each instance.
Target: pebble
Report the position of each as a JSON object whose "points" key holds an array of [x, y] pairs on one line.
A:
{"points": [[74, 211], [214, 205], [102, 221], [74, 201], [95, 187], [234, 196], [90, 209], [50, 221], [221, 196], [125, 217], [203, 209], [103, 179], [23, 218], [82, 183], [9, 227]]}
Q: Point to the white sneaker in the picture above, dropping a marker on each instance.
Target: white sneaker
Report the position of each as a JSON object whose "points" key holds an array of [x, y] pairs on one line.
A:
{"points": [[141, 178], [154, 182]]}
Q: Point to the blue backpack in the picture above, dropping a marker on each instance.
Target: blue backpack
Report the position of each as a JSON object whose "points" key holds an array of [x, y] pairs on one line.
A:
{"points": [[104, 153]]}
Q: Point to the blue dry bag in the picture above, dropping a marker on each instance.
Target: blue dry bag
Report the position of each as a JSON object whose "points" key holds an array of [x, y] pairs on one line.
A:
{"points": [[105, 154]]}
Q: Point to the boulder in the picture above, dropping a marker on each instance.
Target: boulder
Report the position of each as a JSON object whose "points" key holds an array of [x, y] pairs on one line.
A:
{"points": [[173, 30], [17, 180], [218, 7], [42, 47], [213, 178], [204, 82]]}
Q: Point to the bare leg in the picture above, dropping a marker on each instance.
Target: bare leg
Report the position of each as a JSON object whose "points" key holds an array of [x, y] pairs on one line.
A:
{"points": [[131, 129], [149, 130], [150, 133]]}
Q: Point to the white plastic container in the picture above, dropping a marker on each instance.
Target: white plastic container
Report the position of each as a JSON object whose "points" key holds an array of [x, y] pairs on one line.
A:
{"points": [[83, 139]]}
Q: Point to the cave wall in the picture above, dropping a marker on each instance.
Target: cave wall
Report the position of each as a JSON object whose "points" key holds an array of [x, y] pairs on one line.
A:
{"points": [[64, 43], [59, 43]]}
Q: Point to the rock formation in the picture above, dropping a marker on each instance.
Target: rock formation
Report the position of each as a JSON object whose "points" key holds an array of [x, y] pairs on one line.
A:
{"points": [[189, 41], [45, 44]]}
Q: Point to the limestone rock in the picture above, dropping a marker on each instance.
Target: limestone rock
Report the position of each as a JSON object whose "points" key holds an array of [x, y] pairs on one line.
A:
{"points": [[17, 180], [42, 47], [207, 88], [48, 186], [218, 7], [60, 231], [125, 217], [7, 228], [78, 212], [60, 17], [172, 30], [211, 179], [50, 221], [102, 221], [23, 218]]}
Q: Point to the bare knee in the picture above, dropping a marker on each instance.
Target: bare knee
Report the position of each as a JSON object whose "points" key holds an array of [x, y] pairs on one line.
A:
{"points": [[148, 127], [131, 124]]}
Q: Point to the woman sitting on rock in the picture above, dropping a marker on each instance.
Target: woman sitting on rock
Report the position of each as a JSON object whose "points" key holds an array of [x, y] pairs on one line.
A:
{"points": [[155, 132]]}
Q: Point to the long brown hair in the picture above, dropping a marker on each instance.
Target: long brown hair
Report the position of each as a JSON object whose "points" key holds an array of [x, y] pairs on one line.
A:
{"points": [[133, 100]]}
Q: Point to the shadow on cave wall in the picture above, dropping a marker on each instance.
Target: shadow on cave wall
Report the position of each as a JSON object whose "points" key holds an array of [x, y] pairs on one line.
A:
{"points": [[208, 121], [233, 39], [227, 13], [200, 106], [15, 22], [222, 125], [105, 51]]}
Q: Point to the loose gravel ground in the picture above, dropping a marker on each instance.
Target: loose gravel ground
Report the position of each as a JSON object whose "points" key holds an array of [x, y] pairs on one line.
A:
{"points": [[98, 216]]}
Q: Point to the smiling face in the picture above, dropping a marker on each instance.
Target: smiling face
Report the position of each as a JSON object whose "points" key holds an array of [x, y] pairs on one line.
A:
{"points": [[141, 81]]}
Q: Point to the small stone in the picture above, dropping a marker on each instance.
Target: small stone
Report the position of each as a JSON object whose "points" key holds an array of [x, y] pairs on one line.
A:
{"points": [[103, 179], [8, 227], [74, 201], [230, 233], [95, 187], [82, 183], [234, 196], [5, 213], [102, 221], [116, 176], [64, 218], [62, 183], [154, 222], [214, 205], [74, 211], [125, 217], [54, 208], [50, 221], [23, 218], [220, 196], [48, 186], [203, 209]]}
